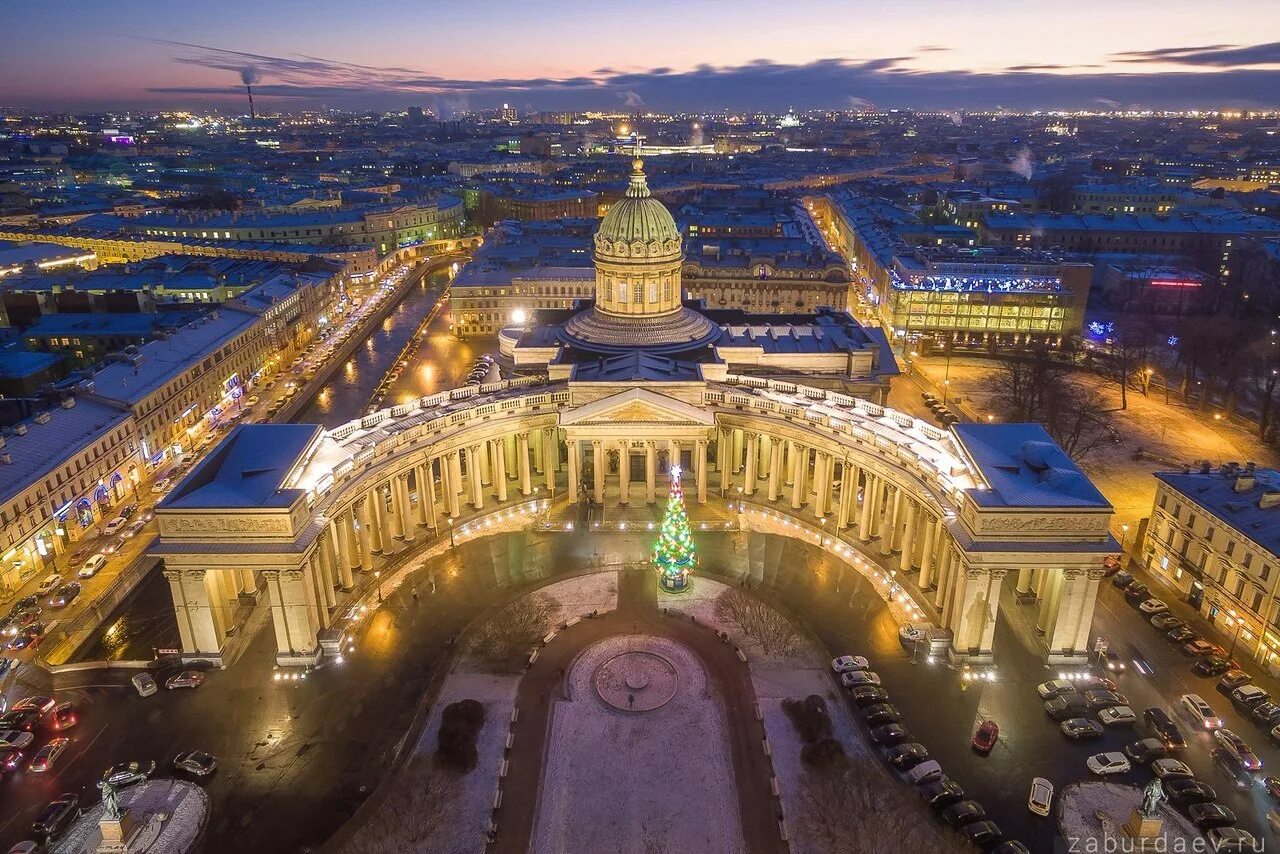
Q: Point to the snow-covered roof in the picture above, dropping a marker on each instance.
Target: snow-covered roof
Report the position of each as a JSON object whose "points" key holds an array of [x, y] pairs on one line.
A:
{"points": [[1023, 467]]}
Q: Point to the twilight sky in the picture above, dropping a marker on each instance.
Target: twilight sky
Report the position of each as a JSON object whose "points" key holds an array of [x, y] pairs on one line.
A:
{"points": [[665, 54]]}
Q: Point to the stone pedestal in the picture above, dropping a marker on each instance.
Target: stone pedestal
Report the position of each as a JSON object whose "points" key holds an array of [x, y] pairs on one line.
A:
{"points": [[116, 833], [1140, 827]]}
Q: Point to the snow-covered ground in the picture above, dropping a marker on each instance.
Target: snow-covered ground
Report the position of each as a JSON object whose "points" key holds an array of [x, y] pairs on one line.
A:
{"points": [[169, 818], [1091, 813], [700, 602], [638, 782], [577, 597]]}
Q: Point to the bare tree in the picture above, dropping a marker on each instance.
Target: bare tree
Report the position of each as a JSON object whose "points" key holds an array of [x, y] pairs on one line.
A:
{"points": [[505, 638], [1262, 373], [1020, 385], [771, 631], [1133, 349], [848, 811], [1076, 418], [420, 804]]}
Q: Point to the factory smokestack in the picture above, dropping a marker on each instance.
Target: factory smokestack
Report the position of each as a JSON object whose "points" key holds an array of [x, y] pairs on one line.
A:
{"points": [[249, 76]]}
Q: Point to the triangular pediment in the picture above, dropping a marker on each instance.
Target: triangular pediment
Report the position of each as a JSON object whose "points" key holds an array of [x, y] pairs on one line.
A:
{"points": [[637, 406]]}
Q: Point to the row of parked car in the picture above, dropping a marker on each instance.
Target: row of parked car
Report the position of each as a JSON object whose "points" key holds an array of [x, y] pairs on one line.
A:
{"points": [[911, 758], [945, 416]]}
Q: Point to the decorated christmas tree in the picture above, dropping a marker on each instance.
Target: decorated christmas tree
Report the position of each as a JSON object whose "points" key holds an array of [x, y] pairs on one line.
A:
{"points": [[673, 555]]}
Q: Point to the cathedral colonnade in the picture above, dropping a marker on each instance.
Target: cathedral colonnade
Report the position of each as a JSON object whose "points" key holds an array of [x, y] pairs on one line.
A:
{"points": [[900, 490]]}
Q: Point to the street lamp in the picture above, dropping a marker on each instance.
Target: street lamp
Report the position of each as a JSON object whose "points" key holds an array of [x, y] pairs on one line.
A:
{"points": [[377, 576], [450, 518]]}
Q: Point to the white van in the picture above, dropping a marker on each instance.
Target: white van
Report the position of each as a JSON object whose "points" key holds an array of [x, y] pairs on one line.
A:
{"points": [[145, 685], [925, 772]]}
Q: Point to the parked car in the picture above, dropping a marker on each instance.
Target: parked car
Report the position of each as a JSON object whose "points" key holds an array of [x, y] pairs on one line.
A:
{"points": [[1061, 708], [43, 705], [1171, 768], [1265, 715], [1233, 769], [1184, 791], [1239, 748], [1211, 815], [114, 526], [1246, 697], [1102, 699], [1136, 592], [1055, 688], [64, 595], [185, 679], [1231, 839], [1166, 622], [926, 772], [55, 818], [1145, 751], [984, 740], [982, 833], [128, 773], [1104, 764], [1041, 796], [63, 717], [1181, 636], [869, 695], [92, 566], [144, 684], [907, 755], [1200, 647], [848, 662], [1079, 729], [1199, 711], [1272, 785], [161, 486], [1122, 579], [942, 792], [20, 739], [882, 713], [46, 756], [889, 735], [1153, 606], [1117, 716], [22, 719], [1163, 727], [1212, 665], [1110, 565], [962, 813], [48, 584], [854, 678], [1232, 680]]}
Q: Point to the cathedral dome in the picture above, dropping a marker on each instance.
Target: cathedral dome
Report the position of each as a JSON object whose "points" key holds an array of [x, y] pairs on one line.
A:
{"points": [[638, 227]]}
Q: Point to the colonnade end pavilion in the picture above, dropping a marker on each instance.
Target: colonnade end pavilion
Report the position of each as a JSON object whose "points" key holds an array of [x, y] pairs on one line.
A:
{"points": [[604, 399]]}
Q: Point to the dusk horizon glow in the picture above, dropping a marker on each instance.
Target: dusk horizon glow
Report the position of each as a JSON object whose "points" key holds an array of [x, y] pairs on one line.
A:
{"points": [[717, 56]]}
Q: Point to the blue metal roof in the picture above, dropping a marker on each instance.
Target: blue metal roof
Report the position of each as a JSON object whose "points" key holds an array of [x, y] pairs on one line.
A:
{"points": [[1024, 467]]}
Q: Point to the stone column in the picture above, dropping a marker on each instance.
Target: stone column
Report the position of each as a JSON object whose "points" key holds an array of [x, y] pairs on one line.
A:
{"points": [[292, 605], [722, 462], [1049, 604], [334, 571], [789, 463], [1070, 608], [522, 461], [396, 518], [474, 475], [886, 527], [624, 472], [651, 472], [316, 602], [736, 442], [775, 463], [384, 518], [945, 562], [1024, 580], [821, 485], [597, 457], [499, 468], [347, 557], [868, 505], [486, 469], [408, 512], [992, 609], [797, 477], [749, 477], [427, 495], [929, 549], [193, 611], [955, 599], [701, 446], [551, 458], [538, 439], [848, 488], [455, 484], [366, 532], [573, 469], [909, 541], [1093, 578]]}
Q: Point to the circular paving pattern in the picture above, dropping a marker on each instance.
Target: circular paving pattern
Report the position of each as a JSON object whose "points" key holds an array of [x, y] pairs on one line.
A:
{"points": [[636, 681]]}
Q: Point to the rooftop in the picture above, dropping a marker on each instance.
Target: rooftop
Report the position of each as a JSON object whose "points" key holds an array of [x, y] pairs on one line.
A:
{"points": [[1216, 491], [247, 469], [1024, 467], [46, 446]]}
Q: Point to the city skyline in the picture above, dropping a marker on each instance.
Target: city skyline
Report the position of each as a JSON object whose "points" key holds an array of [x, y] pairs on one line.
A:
{"points": [[923, 54]]}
